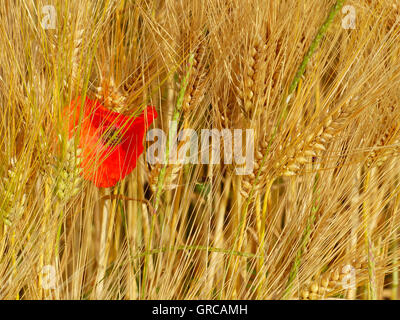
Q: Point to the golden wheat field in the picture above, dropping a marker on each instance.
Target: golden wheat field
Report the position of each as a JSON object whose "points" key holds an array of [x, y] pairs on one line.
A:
{"points": [[199, 149]]}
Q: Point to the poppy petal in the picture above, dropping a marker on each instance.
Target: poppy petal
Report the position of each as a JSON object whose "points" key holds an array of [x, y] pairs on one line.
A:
{"points": [[103, 163]]}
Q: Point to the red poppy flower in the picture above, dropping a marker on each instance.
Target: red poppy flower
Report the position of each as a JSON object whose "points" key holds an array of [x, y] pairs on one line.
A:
{"points": [[110, 142]]}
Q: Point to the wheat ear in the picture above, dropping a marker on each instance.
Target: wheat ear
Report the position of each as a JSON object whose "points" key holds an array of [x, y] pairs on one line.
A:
{"points": [[331, 282]]}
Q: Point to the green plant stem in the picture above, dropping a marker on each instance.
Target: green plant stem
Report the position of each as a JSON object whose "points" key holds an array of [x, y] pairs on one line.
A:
{"points": [[172, 130], [338, 5], [314, 45], [195, 248], [161, 176], [304, 242]]}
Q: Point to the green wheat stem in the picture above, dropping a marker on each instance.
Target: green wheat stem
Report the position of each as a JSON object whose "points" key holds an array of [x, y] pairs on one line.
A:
{"points": [[195, 248], [293, 86], [304, 242], [161, 176], [314, 45], [172, 130]]}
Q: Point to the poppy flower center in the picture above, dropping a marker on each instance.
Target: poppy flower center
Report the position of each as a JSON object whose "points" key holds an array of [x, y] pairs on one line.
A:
{"points": [[111, 136]]}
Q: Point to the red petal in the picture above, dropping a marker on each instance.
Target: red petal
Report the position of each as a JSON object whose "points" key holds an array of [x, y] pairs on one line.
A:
{"points": [[102, 164]]}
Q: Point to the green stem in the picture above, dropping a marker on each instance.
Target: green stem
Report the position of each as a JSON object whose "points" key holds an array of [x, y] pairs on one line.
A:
{"points": [[195, 248], [172, 130], [338, 5], [314, 45], [161, 176], [304, 242]]}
